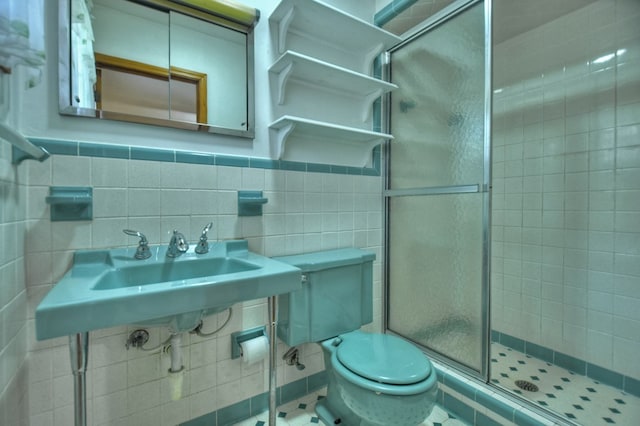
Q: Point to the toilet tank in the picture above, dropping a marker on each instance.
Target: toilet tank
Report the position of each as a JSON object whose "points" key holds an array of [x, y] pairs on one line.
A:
{"points": [[336, 295]]}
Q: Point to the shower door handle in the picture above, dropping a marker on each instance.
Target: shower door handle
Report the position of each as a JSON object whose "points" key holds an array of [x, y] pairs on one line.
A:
{"points": [[435, 190]]}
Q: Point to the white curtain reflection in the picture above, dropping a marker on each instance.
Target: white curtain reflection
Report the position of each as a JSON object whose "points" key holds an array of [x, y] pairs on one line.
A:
{"points": [[22, 37], [82, 59]]}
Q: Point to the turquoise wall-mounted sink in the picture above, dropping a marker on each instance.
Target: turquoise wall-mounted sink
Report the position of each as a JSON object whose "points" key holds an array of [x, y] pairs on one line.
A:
{"points": [[106, 288]]}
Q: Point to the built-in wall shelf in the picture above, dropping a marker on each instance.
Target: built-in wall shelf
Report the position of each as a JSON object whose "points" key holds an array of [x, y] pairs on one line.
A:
{"points": [[250, 203], [70, 203], [293, 66], [301, 139], [322, 86], [320, 30]]}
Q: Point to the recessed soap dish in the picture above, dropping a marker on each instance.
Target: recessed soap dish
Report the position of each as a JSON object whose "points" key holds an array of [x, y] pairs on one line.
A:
{"points": [[70, 203], [250, 203]]}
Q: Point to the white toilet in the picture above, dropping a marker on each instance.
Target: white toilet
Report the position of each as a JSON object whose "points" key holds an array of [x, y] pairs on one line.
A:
{"points": [[373, 379]]}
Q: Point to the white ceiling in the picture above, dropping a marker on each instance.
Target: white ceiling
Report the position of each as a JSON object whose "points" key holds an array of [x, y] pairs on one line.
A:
{"points": [[510, 17], [513, 17]]}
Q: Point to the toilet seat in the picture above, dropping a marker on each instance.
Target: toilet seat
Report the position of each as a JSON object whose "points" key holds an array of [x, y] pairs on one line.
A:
{"points": [[383, 358]]}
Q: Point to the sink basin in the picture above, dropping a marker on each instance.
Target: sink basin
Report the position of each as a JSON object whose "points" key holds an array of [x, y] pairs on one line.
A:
{"points": [[183, 269], [106, 288]]}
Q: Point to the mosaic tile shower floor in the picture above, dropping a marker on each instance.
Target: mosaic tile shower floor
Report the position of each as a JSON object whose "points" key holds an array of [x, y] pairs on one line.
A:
{"points": [[300, 413], [579, 398]]}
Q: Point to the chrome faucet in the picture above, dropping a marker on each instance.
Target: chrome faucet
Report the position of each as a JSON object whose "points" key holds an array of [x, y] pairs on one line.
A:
{"points": [[203, 245], [177, 245], [142, 252]]}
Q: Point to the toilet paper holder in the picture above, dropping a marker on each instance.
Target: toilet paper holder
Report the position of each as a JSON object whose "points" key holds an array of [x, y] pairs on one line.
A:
{"points": [[242, 336]]}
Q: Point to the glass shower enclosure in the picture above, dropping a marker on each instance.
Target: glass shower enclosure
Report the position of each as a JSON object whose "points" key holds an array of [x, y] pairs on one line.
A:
{"points": [[437, 187], [515, 174]]}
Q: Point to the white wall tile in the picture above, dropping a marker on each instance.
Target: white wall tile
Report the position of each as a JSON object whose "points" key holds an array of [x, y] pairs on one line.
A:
{"points": [[628, 114], [39, 173], [579, 199], [175, 202], [205, 402], [143, 397], [174, 412], [143, 174], [628, 135], [628, 221], [107, 380], [143, 202], [37, 207], [624, 355], [600, 348], [108, 233], [110, 202], [71, 171], [109, 172], [205, 377]]}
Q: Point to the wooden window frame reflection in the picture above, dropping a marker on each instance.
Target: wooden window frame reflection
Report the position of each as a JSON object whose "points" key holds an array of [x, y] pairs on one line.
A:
{"points": [[151, 71]]}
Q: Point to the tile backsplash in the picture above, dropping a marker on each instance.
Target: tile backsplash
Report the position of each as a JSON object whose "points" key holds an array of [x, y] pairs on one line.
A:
{"points": [[13, 293], [306, 211]]}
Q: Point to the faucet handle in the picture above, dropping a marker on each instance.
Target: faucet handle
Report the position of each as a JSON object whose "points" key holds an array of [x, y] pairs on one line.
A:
{"points": [[142, 251], [136, 234], [206, 229], [181, 241], [203, 246], [177, 245]]}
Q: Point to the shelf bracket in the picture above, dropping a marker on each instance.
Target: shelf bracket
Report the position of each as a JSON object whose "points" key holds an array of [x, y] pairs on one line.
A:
{"points": [[283, 77], [281, 137], [368, 105], [371, 55], [283, 29]]}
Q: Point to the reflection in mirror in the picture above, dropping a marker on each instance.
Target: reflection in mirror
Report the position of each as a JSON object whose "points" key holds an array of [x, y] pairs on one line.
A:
{"points": [[144, 62], [189, 37], [132, 87]]}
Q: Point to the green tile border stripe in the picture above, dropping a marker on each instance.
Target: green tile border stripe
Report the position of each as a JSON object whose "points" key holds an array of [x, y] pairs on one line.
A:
{"points": [[260, 403], [576, 365], [391, 10], [459, 407], [89, 149], [469, 392]]}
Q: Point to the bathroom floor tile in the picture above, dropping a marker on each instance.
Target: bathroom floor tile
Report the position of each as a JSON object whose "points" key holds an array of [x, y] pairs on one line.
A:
{"points": [[576, 397], [301, 413]]}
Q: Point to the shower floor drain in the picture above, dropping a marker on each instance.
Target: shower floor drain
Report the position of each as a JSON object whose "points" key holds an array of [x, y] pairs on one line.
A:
{"points": [[526, 385]]}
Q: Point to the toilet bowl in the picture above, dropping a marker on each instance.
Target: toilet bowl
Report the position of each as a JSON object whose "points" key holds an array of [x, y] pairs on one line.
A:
{"points": [[376, 379], [373, 379]]}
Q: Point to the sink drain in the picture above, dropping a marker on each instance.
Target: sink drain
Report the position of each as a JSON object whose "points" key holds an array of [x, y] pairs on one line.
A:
{"points": [[526, 385]]}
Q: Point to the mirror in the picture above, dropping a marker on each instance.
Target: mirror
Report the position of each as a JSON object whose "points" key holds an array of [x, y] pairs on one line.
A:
{"points": [[156, 62]]}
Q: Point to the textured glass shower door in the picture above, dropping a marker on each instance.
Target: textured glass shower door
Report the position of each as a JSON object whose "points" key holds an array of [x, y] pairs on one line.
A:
{"points": [[437, 180]]}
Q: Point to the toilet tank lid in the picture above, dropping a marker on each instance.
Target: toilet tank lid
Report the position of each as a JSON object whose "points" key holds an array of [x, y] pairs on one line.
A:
{"points": [[319, 260], [387, 359]]}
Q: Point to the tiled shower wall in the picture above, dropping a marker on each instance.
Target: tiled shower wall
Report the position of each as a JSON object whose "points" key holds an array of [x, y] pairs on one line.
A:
{"points": [[13, 294], [566, 179], [305, 212]]}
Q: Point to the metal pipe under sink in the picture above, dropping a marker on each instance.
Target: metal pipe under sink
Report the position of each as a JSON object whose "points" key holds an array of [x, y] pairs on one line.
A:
{"points": [[273, 324], [78, 352]]}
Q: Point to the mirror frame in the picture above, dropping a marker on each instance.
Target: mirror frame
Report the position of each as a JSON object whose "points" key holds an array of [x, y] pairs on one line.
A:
{"points": [[65, 106]]}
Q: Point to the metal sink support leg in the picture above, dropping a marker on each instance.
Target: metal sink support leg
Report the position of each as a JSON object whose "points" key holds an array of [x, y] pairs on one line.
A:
{"points": [[79, 353], [273, 323]]}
